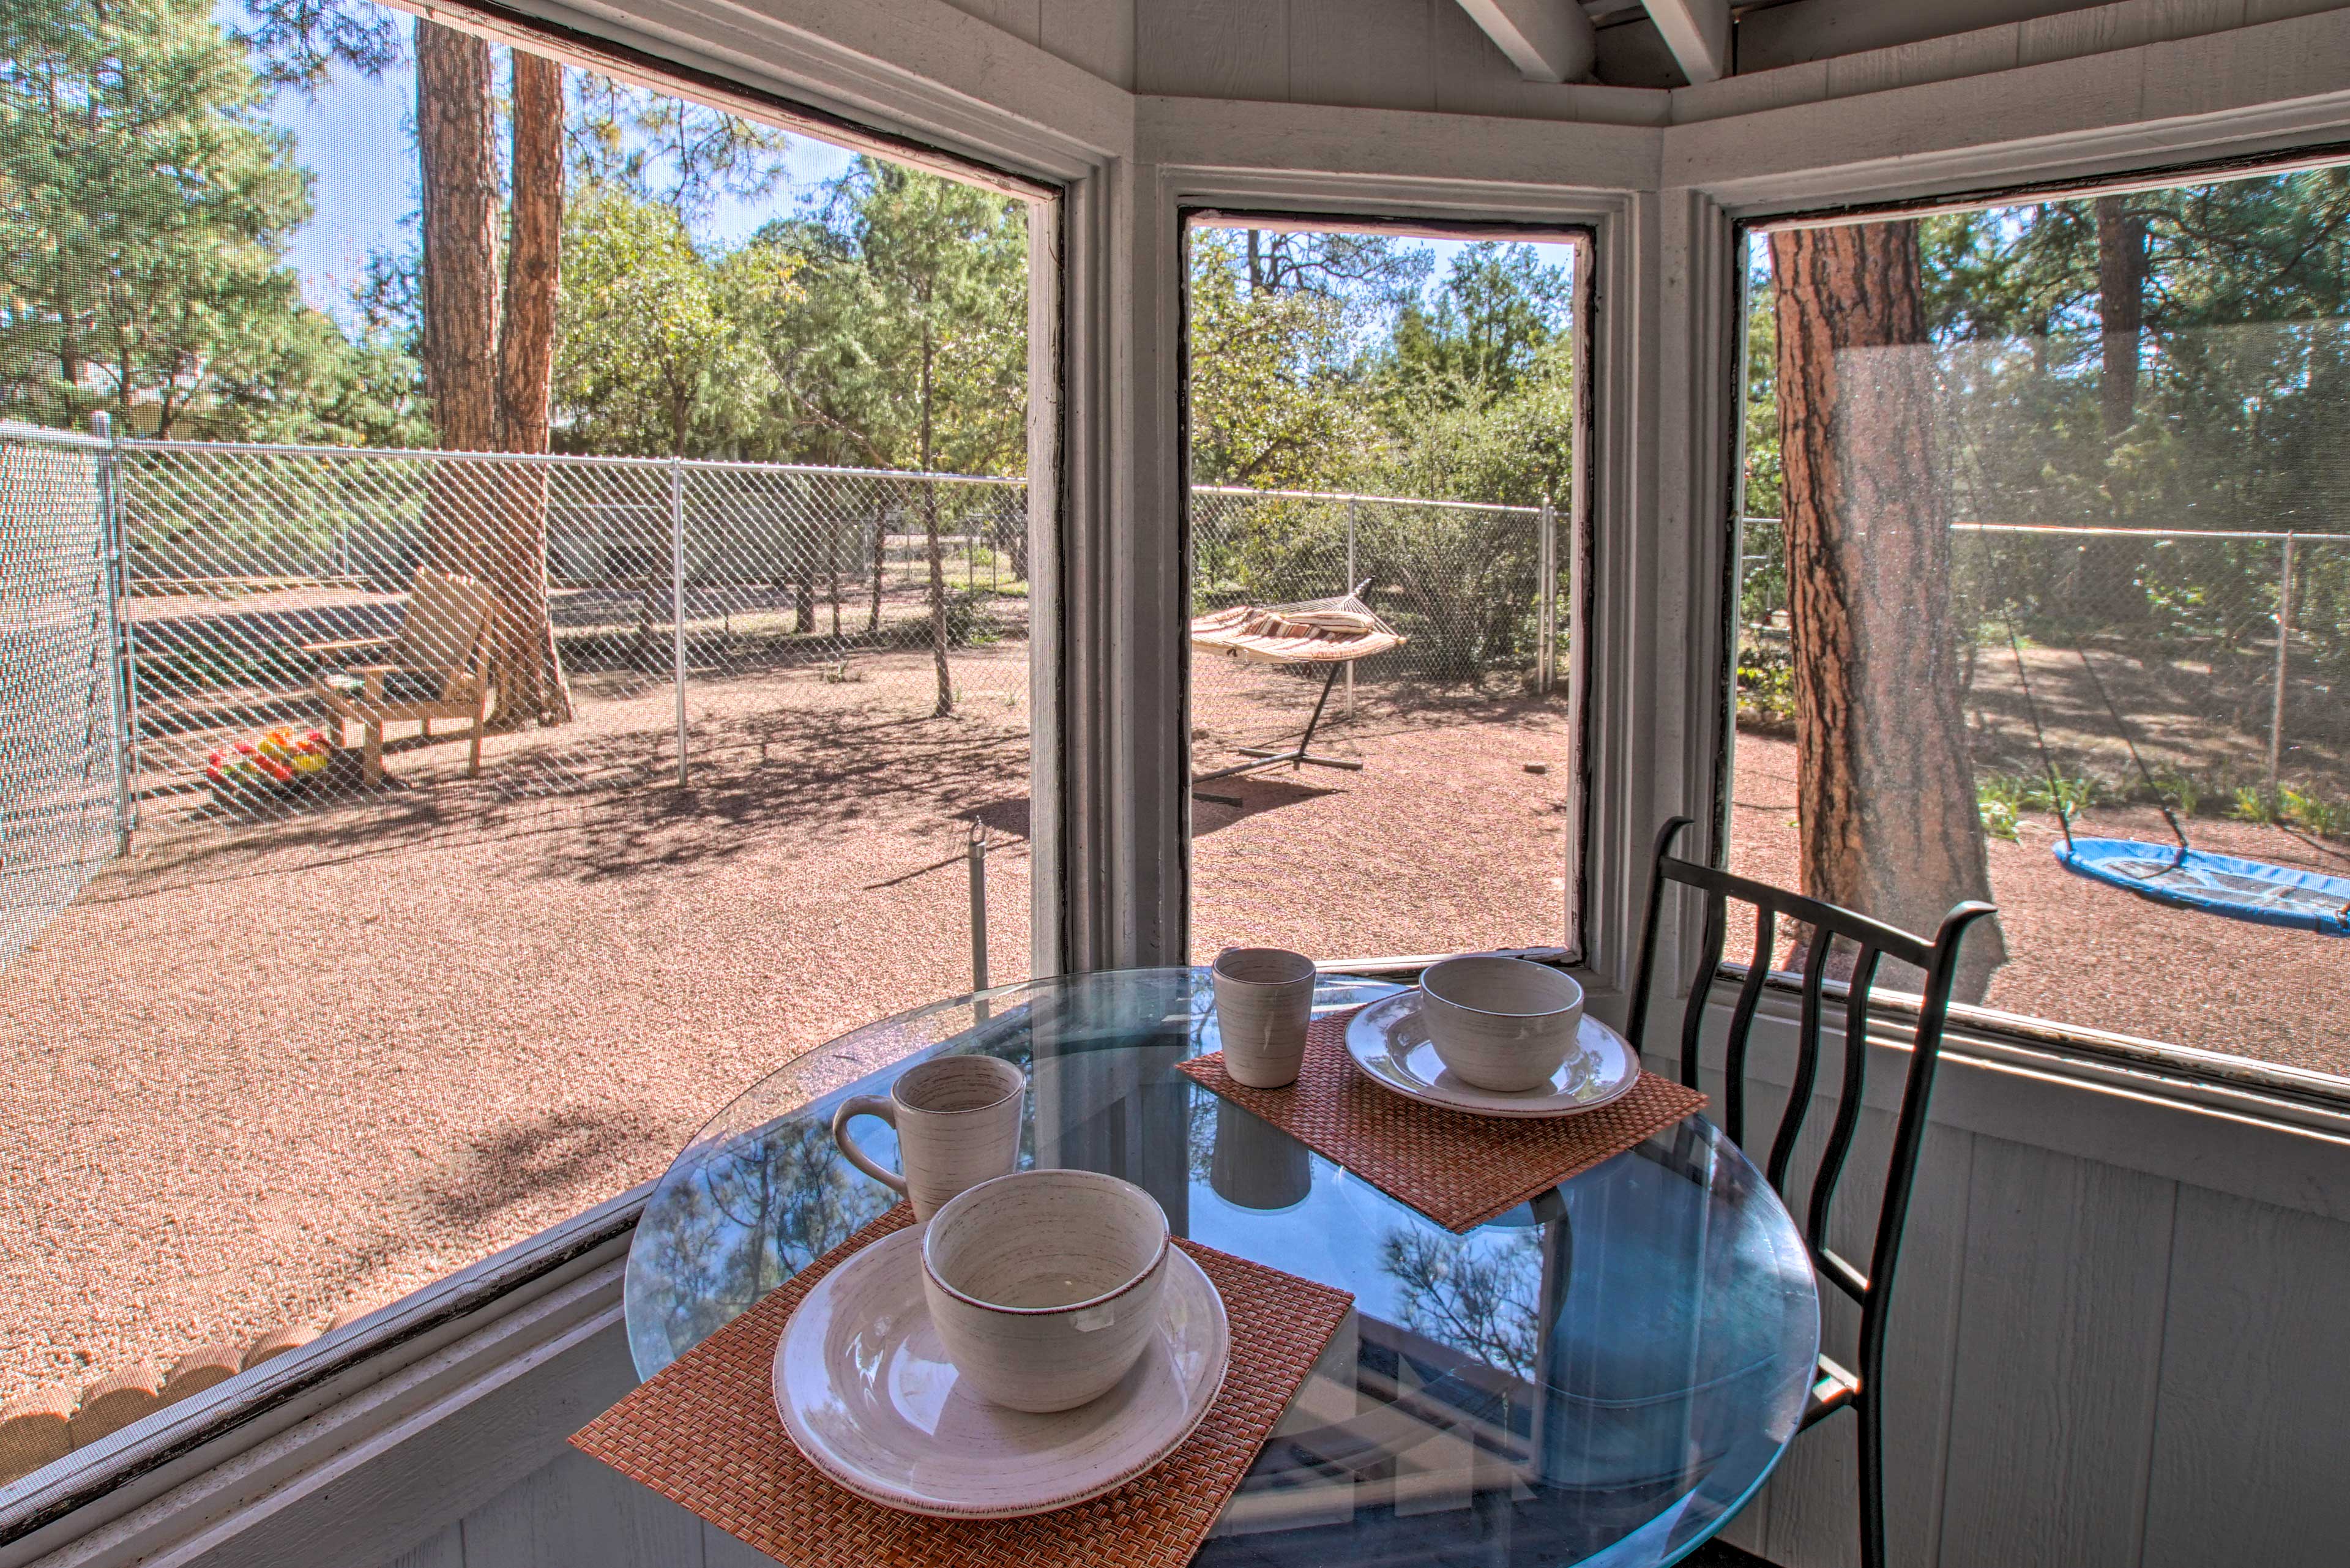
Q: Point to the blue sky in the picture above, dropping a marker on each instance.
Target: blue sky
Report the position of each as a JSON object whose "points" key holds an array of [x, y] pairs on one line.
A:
{"points": [[357, 136]]}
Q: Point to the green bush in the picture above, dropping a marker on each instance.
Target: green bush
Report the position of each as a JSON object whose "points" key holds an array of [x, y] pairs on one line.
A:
{"points": [[2313, 813]]}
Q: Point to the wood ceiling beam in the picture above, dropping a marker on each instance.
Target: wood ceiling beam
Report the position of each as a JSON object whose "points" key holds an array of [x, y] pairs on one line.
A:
{"points": [[1548, 40], [1698, 32]]}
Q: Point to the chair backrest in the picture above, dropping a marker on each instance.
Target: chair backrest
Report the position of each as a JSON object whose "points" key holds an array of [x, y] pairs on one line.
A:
{"points": [[1876, 942], [447, 617]]}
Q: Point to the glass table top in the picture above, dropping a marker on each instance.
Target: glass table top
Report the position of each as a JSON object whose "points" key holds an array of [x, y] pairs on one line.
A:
{"points": [[1602, 1377]]}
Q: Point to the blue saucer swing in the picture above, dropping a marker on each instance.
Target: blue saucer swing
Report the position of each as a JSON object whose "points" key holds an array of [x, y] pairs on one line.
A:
{"points": [[2186, 877], [2215, 884]]}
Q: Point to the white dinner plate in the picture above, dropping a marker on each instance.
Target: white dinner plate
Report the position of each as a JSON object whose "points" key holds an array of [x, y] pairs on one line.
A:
{"points": [[868, 1393], [1390, 1045]]}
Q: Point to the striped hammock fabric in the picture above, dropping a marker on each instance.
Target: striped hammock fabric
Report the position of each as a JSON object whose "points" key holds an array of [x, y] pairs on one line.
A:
{"points": [[1317, 632]]}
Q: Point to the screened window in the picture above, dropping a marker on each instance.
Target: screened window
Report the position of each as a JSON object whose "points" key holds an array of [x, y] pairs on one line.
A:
{"points": [[550, 574], [2046, 598]]}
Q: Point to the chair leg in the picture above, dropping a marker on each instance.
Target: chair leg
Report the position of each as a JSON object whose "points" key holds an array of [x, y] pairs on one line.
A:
{"points": [[473, 764], [1872, 1485], [372, 765], [428, 728]]}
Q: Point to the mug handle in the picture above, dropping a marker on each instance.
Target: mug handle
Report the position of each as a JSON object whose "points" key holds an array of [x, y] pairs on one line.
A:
{"points": [[866, 1106]]}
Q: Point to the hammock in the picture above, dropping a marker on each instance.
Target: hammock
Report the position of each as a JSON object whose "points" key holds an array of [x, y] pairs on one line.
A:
{"points": [[1318, 631], [1332, 633]]}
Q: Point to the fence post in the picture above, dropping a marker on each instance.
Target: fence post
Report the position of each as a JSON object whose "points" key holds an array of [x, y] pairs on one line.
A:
{"points": [[2284, 642], [1350, 588], [975, 858], [677, 598], [122, 679], [1546, 617]]}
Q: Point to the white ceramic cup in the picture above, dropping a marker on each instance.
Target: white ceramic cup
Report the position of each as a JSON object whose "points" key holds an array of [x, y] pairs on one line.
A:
{"points": [[1264, 998], [1044, 1287], [1501, 1023], [958, 1123]]}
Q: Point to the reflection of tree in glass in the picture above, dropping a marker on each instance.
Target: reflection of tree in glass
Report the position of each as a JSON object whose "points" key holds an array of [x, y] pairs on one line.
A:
{"points": [[1479, 1298], [1200, 1140], [754, 1212]]}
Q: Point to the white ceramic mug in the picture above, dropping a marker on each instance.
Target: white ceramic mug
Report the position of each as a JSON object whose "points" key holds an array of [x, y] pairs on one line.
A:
{"points": [[958, 1123], [1502, 1023], [1264, 999], [1046, 1287]]}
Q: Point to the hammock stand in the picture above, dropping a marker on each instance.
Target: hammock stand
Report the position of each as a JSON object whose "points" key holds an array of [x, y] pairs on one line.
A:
{"points": [[2187, 877], [1333, 632]]}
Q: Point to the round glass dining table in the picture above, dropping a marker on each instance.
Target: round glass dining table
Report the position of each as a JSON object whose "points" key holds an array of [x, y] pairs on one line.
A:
{"points": [[1604, 1376]]}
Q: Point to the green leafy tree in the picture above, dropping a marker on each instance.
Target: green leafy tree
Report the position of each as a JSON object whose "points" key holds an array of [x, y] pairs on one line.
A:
{"points": [[144, 208], [661, 149], [1276, 402], [906, 345], [646, 333], [1487, 327]]}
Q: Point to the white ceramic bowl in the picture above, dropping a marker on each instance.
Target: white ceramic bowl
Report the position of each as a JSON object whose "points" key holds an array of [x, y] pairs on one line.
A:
{"points": [[1044, 1285], [1501, 1023]]}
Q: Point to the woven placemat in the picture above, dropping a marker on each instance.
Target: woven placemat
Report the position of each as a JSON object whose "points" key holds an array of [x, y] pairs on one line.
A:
{"points": [[1458, 1169], [704, 1434]]}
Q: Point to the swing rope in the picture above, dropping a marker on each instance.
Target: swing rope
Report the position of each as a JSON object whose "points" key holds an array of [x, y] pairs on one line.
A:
{"points": [[2058, 796], [2057, 793], [2161, 799]]}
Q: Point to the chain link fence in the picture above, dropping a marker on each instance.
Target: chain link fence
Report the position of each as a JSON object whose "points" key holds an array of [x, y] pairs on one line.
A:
{"points": [[304, 626], [286, 600], [2222, 655], [59, 726], [1463, 583]]}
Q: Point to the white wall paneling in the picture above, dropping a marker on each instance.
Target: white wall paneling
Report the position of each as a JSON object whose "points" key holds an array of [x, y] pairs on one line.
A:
{"points": [[2231, 94], [569, 1514], [2090, 1362]]}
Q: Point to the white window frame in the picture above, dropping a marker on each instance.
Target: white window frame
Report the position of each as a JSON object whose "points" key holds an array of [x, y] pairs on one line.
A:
{"points": [[1574, 533]]}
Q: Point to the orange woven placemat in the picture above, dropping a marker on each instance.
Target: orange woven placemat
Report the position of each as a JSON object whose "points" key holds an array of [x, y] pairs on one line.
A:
{"points": [[704, 1434], [1458, 1169]]}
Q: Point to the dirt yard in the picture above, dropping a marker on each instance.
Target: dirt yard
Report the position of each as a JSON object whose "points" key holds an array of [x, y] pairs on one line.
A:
{"points": [[264, 1071], [2081, 953]]}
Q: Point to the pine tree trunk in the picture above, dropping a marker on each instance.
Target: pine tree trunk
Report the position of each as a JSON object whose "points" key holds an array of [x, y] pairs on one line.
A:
{"points": [[458, 185], [2110, 592], [526, 663], [1885, 785], [457, 156], [2121, 310]]}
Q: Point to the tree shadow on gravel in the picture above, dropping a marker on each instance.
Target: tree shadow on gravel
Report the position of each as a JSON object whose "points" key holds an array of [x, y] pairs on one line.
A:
{"points": [[820, 776], [556, 1152], [1257, 794]]}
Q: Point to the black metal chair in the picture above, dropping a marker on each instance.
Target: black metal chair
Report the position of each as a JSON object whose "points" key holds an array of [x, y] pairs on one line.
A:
{"points": [[1835, 1387]]}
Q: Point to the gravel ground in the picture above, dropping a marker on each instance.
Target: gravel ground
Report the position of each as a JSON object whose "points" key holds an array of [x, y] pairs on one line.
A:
{"points": [[260, 1074], [264, 1071], [2081, 953]]}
